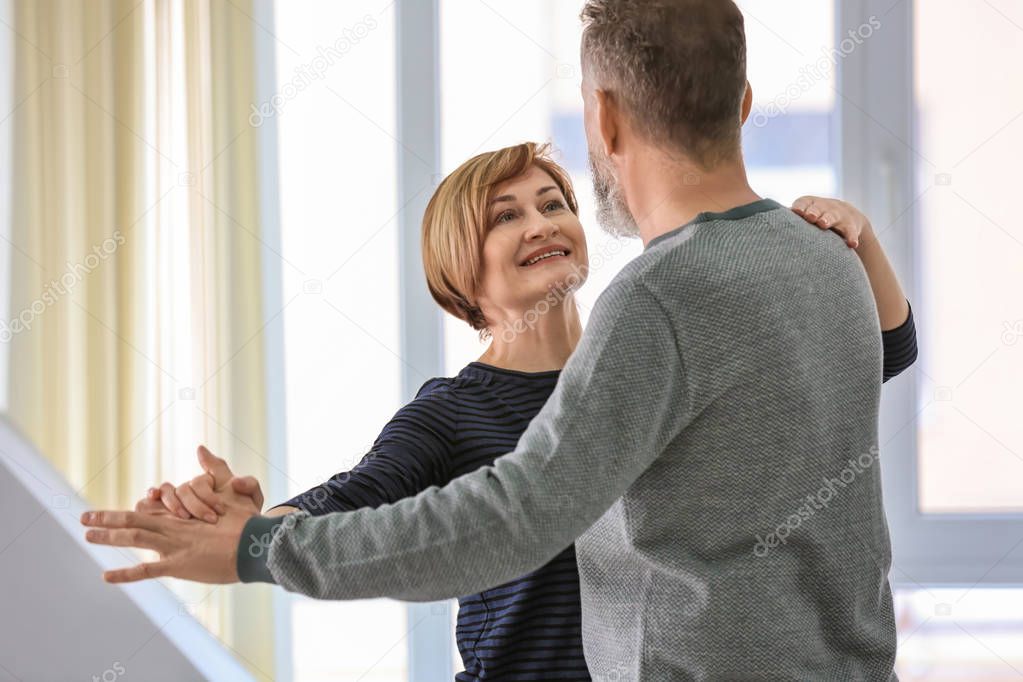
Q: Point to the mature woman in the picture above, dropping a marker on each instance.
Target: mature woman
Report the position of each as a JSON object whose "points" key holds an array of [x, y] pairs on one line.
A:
{"points": [[504, 251]]}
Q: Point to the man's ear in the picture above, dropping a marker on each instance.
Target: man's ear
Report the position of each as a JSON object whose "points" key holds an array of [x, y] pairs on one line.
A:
{"points": [[747, 103], [607, 114]]}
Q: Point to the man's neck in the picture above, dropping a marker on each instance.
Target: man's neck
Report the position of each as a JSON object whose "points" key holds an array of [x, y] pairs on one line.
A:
{"points": [[663, 198]]}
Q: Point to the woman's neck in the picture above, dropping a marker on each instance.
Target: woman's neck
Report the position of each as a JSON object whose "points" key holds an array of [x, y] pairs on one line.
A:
{"points": [[544, 344]]}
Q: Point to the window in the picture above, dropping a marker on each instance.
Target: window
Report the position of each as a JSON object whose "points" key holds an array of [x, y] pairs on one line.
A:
{"points": [[918, 136], [927, 142], [789, 138], [527, 88], [335, 113], [510, 74], [968, 137], [969, 256]]}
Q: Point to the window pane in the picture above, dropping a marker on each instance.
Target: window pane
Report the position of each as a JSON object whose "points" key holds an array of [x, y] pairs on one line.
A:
{"points": [[336, 119], [969, 134], [510, 74], [959, 635], [791, 64]]}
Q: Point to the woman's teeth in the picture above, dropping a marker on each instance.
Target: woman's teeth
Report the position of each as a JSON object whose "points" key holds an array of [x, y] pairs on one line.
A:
{"points": [[539, 258]]}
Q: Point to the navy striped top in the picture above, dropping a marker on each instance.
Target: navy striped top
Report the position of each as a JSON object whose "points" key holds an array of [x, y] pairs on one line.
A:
{"points": [[529, 628]]}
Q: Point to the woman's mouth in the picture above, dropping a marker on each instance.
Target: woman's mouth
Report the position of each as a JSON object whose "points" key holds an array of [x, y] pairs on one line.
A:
{"points": [[552, 254]]}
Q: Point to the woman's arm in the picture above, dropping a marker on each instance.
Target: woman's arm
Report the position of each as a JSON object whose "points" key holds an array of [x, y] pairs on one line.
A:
{"points": [[851, 223], [892, 306], [411, 453]]}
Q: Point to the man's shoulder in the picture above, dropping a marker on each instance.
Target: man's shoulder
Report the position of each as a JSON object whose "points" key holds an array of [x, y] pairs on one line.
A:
{"points": [[650, 274]]}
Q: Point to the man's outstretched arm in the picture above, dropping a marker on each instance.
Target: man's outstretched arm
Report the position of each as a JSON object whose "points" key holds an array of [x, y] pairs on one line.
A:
{"points": [[620, 400]]}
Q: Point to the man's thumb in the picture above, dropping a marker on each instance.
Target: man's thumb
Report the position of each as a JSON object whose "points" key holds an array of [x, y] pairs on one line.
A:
{"points": [[214, 466]]}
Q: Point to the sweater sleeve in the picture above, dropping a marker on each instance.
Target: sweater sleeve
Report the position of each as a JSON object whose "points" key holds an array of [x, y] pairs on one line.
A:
{"points": [[899, 348], [621, 398], [411, 453]]}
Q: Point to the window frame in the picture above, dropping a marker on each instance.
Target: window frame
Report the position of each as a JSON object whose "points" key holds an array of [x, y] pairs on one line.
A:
{"points": [[265, 75], [417, 63], [877, 173]]}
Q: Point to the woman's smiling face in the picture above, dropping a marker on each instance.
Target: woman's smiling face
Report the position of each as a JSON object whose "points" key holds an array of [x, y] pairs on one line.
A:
{"points": [[535, 243]]}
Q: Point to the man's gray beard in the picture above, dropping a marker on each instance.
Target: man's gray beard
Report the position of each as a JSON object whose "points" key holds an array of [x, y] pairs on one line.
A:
{"points": [[611, 208]]}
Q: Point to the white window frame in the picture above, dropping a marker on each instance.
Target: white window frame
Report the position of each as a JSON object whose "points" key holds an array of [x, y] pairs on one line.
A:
{"points": [[417, 46], [875, 101], [265, 70]]}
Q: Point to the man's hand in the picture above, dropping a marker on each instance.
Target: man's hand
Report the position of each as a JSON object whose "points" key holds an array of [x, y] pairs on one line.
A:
{"points": [[203, 496], [189, 549], [837, 215]]}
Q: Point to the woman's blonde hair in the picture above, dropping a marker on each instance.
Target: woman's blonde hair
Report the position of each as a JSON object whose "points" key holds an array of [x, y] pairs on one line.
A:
{"points": [[456, 224]]}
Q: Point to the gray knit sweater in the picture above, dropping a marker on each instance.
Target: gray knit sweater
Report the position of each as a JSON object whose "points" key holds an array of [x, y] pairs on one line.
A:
{"points": [[713, 445]]}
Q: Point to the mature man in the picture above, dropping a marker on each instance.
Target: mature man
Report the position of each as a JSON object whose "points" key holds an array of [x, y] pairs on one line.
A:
{"points": [[728, 375]]}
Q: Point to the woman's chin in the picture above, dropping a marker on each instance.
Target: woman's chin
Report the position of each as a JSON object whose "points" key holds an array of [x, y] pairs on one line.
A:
{"points": [[561, 284], [556, 271]]}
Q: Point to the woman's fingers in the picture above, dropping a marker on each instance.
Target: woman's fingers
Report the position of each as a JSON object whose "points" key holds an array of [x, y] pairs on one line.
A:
{"points": [[170, 500], [196, 507], [801, 204], [248, 485], [150, 506], [810, 210], [215, 466], [829, 214], [843, 225], [202, 486]]}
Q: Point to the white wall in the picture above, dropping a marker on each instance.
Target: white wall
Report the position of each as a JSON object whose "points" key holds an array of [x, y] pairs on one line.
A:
{"points": [[59, 620]]}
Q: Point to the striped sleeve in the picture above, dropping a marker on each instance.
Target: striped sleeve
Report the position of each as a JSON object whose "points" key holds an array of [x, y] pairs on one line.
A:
{"points": [[899, 348], [411, 453]]}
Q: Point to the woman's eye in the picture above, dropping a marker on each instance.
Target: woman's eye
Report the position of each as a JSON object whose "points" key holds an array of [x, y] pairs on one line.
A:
{"points": [[554, 204]]}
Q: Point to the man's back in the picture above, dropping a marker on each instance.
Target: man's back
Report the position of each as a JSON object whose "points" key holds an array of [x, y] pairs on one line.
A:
{"points": [[757, 540]]}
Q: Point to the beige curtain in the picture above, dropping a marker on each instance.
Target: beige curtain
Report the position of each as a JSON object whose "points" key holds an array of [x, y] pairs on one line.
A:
{"points": [[136, 272]]}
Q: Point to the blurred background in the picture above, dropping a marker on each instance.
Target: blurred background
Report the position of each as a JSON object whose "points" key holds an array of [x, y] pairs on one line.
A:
{"points": [[209, 223]]}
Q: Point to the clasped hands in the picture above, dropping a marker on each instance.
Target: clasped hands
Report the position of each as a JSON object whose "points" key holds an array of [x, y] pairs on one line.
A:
{"points": [[195, 528]]}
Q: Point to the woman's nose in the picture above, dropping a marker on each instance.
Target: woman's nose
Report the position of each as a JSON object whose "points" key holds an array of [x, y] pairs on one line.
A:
{"points": [[541, 228]]}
